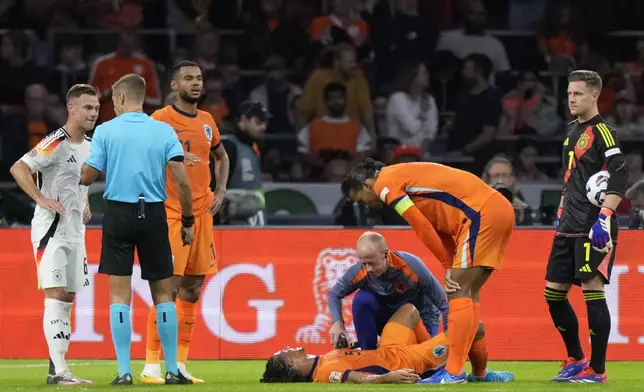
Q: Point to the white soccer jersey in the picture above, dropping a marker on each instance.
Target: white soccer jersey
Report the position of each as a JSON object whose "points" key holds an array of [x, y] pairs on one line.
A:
{"points": [[58, 163]]}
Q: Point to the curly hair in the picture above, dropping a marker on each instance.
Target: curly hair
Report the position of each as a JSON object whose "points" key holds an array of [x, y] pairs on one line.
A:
{"points": [[279, 371], [359, 173]]}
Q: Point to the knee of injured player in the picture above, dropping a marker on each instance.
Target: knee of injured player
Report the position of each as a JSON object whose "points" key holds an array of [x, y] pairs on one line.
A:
{"points": [[406, 315], [59, 294], [288, 365]]}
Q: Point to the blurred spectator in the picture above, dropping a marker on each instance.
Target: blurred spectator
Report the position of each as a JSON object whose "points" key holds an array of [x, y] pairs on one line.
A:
{"points": [[344, 70], [11, 15], [411, 35], [476, 118], [35, 110], [111, 14], [406, 154], [614, 85], [634, 164], [499, 174], [386, 150], [473, 39], [528, 110], [587, 58], [631, 202], [269, 31], [561, 32], [446, 80], [334, 131], [340, 24], [625, 118], [125, 60], [412, 115], [16, 70], [208, 44], [53, 13], [633, 70], [70, 70], [336, 168], [213, 101], [276, 94], [380, 103], [526, 14], [526, 164], [234, 92]]}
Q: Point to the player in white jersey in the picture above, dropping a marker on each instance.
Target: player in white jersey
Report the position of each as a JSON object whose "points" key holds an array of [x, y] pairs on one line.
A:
{"points": [[58, 225]]}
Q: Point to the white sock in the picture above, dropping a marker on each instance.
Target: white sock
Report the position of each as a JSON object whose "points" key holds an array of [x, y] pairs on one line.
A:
{"points": [[152, 369], [57, 328]]}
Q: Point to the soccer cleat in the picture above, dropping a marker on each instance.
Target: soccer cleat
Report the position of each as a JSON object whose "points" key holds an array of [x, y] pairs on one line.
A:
{"points": [[176, 379], [151, 374], [125, 379], [569, 369], [491, 376], [186, 374], [66, 378], [444, 377], [588, 376]]}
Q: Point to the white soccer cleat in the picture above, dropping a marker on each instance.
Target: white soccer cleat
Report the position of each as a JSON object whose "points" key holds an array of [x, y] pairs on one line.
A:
{"points": [[151, 374], [66, 378], [186, 374]]}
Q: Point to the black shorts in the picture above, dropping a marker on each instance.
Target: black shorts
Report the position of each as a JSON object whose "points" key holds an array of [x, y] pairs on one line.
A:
{"points": [[123, 231], [573, 260]]}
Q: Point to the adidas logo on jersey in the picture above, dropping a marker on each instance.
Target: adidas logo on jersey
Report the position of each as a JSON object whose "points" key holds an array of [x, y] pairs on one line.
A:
{"points": [[72, 159], [61, 335]]}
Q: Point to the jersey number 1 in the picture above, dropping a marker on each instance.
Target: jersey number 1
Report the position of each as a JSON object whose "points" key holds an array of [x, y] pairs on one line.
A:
{"points": [[186, 143], [571, 156]]}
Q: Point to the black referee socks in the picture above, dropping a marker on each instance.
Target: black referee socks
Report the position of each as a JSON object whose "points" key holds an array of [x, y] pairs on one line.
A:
{"points": [[565, 320], [599, 325]]}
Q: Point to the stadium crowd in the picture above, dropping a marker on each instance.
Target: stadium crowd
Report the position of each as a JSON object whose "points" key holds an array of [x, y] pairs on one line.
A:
{"points": [[400, 80]]}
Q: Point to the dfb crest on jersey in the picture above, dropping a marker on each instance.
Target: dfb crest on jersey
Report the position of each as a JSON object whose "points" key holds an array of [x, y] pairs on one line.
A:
{"points": [[582, 142], [208, 131]]}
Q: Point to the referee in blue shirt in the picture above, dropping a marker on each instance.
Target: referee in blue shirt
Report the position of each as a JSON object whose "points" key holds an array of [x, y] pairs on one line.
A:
{"points": [[134, 150]]}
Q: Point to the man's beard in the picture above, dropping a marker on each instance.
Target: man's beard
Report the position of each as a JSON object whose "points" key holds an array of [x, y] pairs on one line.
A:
{"points": [[190, 99]]}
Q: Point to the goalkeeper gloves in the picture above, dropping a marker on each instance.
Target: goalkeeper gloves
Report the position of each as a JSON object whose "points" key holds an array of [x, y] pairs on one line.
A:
{"points": [[601, 236], [558, 217]]}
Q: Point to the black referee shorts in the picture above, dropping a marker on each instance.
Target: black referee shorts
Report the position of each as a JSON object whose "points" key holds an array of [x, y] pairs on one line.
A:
{"points": [[573, 260], [123, 231]]}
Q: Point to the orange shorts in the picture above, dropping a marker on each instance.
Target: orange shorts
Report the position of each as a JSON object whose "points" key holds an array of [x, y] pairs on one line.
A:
{"points": [[483, 243], [401, 350], [199, 257]]}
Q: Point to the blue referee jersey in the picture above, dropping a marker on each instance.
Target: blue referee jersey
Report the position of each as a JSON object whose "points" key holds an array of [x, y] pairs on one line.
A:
{"points": [[134, 150]]}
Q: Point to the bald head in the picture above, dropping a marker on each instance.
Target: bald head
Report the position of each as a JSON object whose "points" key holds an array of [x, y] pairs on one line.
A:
{"points": [[370, 240], [372, 252]]}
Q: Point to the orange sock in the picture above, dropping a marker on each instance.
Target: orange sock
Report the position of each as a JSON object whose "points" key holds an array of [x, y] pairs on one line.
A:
{"points": [[421, 332], [478, 351], [461, 325], [152, 341], [186, 316]]}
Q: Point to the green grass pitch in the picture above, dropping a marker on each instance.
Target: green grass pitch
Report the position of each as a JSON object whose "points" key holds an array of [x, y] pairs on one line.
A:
{"points": [[243, 376]]}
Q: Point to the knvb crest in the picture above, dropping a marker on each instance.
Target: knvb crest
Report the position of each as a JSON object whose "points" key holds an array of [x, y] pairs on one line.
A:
{"points": [[208, 131]]}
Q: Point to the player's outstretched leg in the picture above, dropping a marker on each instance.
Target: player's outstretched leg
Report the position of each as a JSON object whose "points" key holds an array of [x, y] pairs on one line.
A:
{"points": [[565, 320]]}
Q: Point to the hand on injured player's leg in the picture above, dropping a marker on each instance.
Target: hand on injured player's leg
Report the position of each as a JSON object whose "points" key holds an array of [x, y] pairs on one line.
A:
{"points": [[336, 330], [451, 286], [51, 205]]}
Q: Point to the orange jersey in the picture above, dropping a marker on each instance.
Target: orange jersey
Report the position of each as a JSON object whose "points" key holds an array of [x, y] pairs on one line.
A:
{"points": [[199, 135], [450, 199]]}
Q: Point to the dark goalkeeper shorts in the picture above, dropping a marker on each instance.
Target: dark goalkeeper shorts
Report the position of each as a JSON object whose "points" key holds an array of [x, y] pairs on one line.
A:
{"points": [[124, 232], [573, 260]]}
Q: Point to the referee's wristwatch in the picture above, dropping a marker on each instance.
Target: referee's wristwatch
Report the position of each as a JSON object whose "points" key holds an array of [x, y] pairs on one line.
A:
{"points": [[188, 221]]}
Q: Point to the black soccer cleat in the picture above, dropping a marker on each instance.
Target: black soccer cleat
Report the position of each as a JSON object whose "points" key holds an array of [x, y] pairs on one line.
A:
{"points": [[176, 379], [125, 379]]}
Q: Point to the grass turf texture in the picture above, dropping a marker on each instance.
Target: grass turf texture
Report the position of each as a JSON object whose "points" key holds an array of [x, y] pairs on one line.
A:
{"points": [[243, 376]]}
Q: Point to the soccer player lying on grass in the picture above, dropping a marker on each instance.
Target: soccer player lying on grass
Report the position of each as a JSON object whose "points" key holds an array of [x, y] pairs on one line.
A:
{"points": [[399, 359]]}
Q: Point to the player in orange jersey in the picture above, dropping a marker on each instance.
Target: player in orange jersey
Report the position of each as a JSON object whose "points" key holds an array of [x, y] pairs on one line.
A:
{"points": [[199, 136], [399, 359], [465, 223]]}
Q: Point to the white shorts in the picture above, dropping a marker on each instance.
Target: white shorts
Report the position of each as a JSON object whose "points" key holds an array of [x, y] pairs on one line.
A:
{"points": [[62, 264]]}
